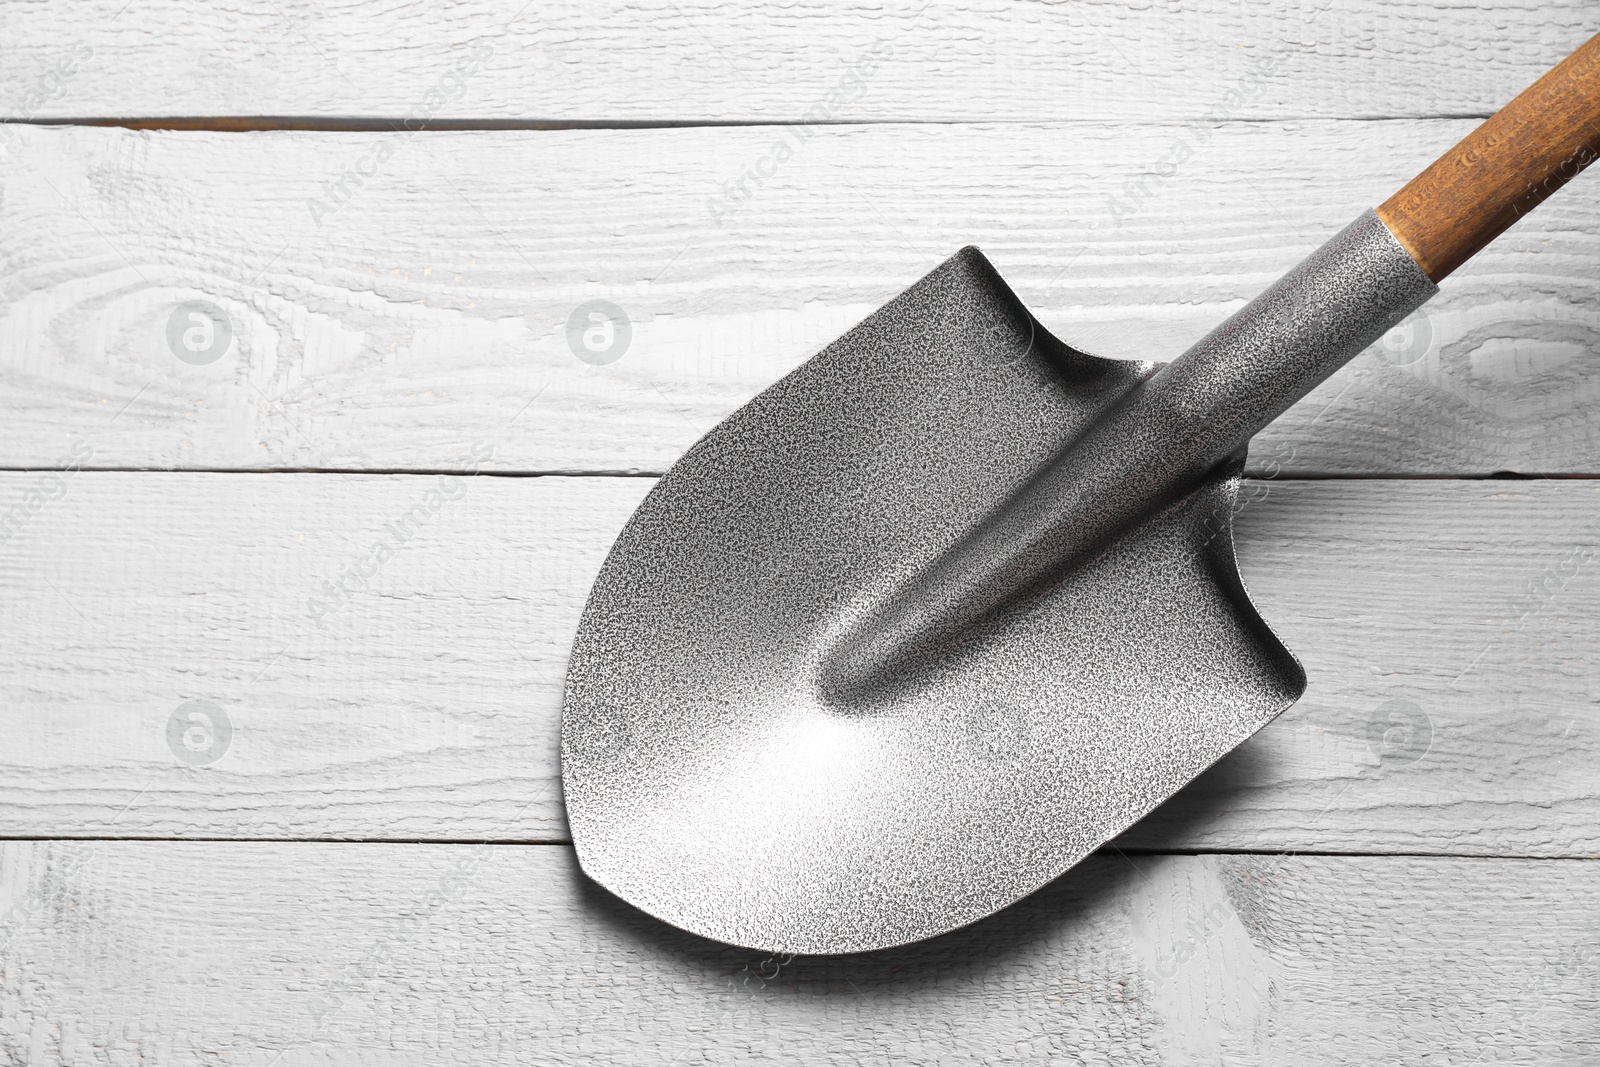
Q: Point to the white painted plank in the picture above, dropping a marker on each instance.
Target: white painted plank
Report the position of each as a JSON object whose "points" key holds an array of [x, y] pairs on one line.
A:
{"points": [[250, 954], [675, 60], [1448, 629], [389, 323]]}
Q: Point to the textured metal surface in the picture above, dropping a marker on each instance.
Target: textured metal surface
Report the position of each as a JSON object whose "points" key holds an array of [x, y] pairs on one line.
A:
{"points": [[729, 767], [1154, 446]]}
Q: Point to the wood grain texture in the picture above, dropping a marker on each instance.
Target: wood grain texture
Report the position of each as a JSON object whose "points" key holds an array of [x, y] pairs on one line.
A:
{"points": [[158, 952], [698, 60], [425, 703], [394, 298], [1502, 170], [382, 654]]}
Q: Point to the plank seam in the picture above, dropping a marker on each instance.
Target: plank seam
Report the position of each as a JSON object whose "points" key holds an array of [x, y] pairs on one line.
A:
{"points": [[1106, 851], [339, 124], [430, 472]]}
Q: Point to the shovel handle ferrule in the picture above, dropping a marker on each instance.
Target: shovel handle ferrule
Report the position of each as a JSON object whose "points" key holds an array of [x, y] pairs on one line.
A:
{"points": [[1503, 169]]}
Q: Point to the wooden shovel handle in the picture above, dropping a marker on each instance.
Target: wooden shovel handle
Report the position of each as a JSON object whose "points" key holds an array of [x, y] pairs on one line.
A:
{"points": [[1503, 169]]}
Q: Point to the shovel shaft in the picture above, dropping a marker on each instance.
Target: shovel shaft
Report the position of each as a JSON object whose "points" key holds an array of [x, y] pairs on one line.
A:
{"points": [[1503, 169]]}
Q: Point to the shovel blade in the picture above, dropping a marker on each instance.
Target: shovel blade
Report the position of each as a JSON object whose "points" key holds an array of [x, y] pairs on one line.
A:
{"points": [[710, 780]]}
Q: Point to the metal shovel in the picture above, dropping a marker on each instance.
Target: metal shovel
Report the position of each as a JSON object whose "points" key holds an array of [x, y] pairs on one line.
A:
{"points": [[953, 604]]}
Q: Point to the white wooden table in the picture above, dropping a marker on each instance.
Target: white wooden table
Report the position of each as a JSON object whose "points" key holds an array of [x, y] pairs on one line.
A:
{"points": [[282, 282]]}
